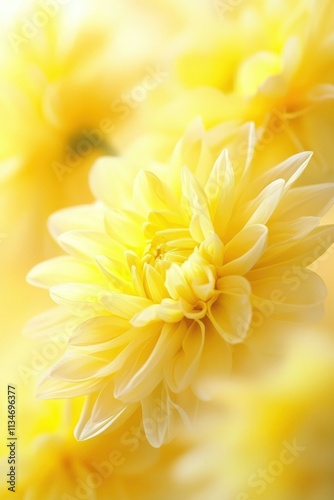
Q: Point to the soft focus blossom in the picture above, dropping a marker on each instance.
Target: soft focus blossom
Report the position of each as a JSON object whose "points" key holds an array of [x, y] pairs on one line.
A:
{"points": [[273, 436], [171, 268], [267, 61], [53, 465], [50, 463], [68, 72]]}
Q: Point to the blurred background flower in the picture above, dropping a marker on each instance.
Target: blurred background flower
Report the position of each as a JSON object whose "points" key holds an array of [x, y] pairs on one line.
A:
{"points": [[65, 74], [270, 437], [267, 61]]}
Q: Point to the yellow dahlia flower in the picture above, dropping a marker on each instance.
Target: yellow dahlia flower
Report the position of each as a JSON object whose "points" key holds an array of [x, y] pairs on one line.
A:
{"points": [[171, 268], [267, 61]]}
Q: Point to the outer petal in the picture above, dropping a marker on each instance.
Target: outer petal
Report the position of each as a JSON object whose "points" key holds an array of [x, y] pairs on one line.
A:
{"points": [[301, 252], [290, 300], [85, 217], [231, 313], [55, 321], [77, 367], [147, 367], [64, 269], [304, 201], [52, 388], [90, 244], [124, 306], [244, 250], [289, 170], [181, 370], [98, 331], [158, 416], [80, 298], [88, 427]]}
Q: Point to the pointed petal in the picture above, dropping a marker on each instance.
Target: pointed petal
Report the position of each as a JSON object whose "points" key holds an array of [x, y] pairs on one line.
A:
{"points": [[291, 230], [260, 210], [154, 284], [289, 171], [87, 428], [200, 225], [50, 388], [151, 194], [231, 313], [220, 192], [82, 299], [52, 322], [244, 250], [158, 416], [305, 201], [124, 306], [77, 367], [181, 370], [90, 244], [146, 370], [64, 269], [297, 252], [84, 217], [99, 330], [126, 227], [286, 299]]}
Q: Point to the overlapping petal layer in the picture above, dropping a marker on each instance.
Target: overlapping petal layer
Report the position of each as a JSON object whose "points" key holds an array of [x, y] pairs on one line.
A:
{"points": [[185, 257]]}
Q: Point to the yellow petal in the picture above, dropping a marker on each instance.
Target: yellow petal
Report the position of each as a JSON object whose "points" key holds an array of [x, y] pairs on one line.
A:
{"points": [[244, 250], [147, 367], [302, 253], [294, 296], [179, 373], [124, 306], [82, 299], [64, 269], [200, 225], [85, 217], [154, 284], [98, 330], [220, 192], [169, 311], [158, 416], [260, 210], [52, 322], [231, 313], [177, 284], [313, 200], [89, 244]]}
